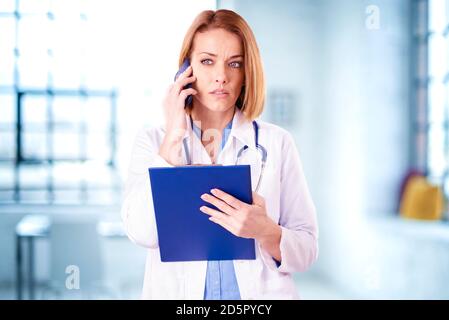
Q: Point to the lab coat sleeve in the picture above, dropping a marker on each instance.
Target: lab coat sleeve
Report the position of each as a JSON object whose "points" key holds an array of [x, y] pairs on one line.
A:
{"points": [[299, 239], [137, 209]]}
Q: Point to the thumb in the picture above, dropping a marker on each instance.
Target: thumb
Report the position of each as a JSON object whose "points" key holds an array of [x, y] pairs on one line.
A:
{"points": [[258, 200]]}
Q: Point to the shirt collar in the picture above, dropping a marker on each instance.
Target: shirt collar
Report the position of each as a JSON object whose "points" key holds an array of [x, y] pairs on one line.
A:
{"points": [[241, 129], [197, 130]]}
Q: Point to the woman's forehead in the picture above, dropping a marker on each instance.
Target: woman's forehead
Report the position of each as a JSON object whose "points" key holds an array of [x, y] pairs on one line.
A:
{"points": [[217, 42]]}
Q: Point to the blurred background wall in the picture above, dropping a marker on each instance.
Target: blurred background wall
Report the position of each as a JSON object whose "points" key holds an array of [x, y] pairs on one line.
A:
{"points": [[362, 86]]}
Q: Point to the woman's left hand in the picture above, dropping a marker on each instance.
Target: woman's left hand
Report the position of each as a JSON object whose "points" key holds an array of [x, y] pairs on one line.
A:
{"points": [[239, 218]]}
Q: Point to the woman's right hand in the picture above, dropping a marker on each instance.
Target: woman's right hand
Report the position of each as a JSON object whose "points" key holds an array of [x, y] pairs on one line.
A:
{"points": [[175, 117]]}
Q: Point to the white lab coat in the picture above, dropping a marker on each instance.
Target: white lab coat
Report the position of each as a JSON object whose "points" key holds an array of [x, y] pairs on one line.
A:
{"points": [[287, 199]]}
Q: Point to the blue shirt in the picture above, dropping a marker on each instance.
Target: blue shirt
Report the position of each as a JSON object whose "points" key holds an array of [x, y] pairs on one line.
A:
{"points": [[221, 283]]}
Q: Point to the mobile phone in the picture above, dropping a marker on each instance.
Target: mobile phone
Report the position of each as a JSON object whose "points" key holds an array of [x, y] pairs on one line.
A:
{"points": [[184, 66]]}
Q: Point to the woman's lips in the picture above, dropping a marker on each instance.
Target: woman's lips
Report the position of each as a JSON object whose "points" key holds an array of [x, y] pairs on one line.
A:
{"points": [[219, 93]]}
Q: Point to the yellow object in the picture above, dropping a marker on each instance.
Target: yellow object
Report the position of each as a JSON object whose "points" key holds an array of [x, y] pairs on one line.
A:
{"points": [[422, 200]]}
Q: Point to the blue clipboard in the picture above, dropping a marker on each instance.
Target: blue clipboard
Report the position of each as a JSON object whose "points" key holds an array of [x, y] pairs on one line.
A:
{"points": [[184, 232]]}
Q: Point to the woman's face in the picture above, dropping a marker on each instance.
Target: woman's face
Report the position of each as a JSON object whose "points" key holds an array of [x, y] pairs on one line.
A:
{"points": [[217, 63]]}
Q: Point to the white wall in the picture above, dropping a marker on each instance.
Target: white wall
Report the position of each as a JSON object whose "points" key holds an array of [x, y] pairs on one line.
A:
{"points": [[368, 101]]}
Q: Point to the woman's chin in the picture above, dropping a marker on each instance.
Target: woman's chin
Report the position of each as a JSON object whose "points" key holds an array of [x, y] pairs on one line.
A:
{"points": [[216, 106], [219, 107]]}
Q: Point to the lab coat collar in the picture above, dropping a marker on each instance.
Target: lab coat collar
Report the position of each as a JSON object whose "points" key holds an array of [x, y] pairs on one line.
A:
{"points": [[242, 129]]}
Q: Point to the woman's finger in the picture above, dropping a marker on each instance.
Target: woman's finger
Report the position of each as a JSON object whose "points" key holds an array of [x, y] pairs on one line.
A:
{"points": [[220, 204], [213, 213], [233, 202], [258, 200], [184, 93], [179, 86], [186, 73], [186, 81], [224, 225]]}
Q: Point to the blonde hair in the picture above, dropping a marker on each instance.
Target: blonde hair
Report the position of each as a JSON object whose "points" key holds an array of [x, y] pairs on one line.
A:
{"points": [[252, 97]]}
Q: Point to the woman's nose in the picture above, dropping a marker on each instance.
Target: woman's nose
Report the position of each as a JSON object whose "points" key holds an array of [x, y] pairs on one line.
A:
{"points": [[220, 75]]}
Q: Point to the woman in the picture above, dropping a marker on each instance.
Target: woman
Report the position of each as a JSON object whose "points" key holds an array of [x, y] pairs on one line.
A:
{"points": [[227, 85]]}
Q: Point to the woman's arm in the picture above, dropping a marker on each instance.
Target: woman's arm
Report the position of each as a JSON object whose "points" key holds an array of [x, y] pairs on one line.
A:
{"points": [[137, 209], [298, 223]]}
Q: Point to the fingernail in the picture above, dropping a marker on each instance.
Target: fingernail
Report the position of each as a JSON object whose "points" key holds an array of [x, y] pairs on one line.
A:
{"points": [[203, 196], [213, 190]]}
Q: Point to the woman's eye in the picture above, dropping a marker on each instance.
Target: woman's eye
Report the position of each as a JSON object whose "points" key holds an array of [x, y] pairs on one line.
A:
{"points": [[206, 61], [236, 64]]}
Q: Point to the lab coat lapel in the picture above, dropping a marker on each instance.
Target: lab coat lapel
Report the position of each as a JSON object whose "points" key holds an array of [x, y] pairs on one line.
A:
{"points": [[197, 152], [243, 133], [242, 130]]}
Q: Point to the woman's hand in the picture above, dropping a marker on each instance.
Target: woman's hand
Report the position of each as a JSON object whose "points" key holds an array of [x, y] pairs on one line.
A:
{"points": [[175, 117], [244, 220]]}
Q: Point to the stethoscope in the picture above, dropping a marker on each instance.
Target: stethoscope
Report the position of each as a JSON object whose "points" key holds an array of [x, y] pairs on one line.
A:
{"points": [[260, 148]]}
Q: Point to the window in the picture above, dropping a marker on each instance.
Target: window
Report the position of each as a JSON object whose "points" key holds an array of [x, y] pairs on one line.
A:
{"points": [[77, 79], [438, 87], [431, 44]]}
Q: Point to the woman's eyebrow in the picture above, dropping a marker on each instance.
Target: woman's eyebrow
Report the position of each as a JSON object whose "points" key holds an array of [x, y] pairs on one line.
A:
{"points": [[214, 55]]}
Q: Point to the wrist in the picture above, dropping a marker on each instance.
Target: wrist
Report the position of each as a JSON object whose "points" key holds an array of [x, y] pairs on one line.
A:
{"points": [[173, 138], [271, 234], [170, 150]]}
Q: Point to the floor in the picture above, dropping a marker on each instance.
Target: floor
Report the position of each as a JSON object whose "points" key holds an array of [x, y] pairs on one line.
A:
{"points": [[315, 288], [310, 288]]}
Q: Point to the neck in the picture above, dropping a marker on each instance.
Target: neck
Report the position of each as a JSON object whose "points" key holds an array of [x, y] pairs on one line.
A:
{"points": [[212, 119]]}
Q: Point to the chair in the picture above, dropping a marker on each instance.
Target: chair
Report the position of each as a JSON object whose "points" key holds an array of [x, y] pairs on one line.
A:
{"points": [[422, 200]]}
